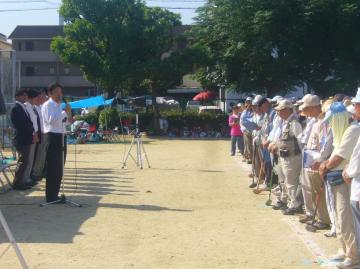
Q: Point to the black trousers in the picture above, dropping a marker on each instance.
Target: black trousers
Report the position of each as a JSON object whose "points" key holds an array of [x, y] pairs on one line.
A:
{"points": [[54, 166], [23, 152]]}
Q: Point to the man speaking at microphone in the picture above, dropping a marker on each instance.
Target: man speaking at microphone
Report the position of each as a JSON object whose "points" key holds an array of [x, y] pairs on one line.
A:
{"points": [[54, 127]]}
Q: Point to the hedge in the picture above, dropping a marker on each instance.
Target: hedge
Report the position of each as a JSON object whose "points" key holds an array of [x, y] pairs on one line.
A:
{"points": [[177, 120]]}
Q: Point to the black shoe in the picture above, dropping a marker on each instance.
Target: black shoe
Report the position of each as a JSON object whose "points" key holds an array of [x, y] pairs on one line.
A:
{"points": [[319, 225], [252, 185], [35, 178], [279, 205], [21, 187], [31, 183], [58, 199], [291, 211]]}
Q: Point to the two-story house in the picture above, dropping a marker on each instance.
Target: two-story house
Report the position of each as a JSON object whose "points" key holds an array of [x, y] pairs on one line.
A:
{"points": [[38, 66]]}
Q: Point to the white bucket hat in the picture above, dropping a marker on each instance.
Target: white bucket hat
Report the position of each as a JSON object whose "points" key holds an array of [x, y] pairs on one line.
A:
{"points": [[356, 99]]}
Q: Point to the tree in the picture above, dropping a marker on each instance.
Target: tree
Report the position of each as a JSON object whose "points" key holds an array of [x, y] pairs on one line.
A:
{"points": [[120, 44], [271, 46]]}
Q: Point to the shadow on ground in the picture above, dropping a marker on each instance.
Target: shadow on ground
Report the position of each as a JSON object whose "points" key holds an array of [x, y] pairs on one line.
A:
{"points": [[84, 186]]}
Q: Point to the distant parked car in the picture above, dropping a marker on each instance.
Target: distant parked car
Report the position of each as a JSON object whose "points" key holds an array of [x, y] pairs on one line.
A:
{"points": [[210, 109], [193, 105]]}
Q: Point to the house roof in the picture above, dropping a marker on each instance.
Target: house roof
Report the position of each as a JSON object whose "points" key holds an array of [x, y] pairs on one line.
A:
{"points": [[36, 31], [50, 31]]}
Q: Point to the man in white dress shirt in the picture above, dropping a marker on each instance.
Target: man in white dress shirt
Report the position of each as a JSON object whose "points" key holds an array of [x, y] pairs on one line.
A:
{"points": [[54, 121], [40, 153], [29, 105]]}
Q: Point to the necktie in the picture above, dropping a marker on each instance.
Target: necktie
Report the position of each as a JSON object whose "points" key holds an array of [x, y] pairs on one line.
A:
{"points": [[38, 123]]}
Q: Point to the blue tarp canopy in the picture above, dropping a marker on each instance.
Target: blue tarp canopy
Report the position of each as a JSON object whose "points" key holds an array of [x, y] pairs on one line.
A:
{"points": [[90, 102]]}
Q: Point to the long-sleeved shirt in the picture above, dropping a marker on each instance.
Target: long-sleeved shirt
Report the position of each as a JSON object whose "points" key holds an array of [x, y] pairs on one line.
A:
{"points": [[30, 110], [53, 117], [276, 129], [353, 171], [307, 131], [319, 144], [246, 121]]}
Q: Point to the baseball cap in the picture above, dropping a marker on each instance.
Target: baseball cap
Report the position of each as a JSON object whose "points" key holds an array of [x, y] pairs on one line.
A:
{"points": [[256, 100], [310, 100], [284, 104]]}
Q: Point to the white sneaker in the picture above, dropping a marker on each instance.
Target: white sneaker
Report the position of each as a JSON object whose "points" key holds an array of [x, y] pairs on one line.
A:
{"points": [[347, 263], [338, 257]]}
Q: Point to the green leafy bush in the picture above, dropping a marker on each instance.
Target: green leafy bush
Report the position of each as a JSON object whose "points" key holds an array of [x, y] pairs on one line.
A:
{"points": [[109, 118], [91, 118]]}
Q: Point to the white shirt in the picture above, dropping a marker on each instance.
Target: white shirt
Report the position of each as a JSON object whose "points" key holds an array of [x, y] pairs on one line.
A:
{"points": [[308, 129], [53, 117], [353, 170], [30, 110], [38, 109]]}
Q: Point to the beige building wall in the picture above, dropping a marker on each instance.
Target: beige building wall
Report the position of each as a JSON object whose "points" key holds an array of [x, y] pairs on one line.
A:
{"points": [[4, 45]]}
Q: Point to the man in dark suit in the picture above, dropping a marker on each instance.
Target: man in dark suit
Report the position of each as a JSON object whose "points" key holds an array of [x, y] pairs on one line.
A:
{"points": [[23, 138]]}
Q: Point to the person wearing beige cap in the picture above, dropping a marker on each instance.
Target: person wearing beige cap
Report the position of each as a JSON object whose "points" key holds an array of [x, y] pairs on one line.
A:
{"points": [[289, 150], [311, 183]]}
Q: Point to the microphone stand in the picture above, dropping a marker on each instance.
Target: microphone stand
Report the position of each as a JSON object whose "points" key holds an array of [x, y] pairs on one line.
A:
{"points": [[62, 199]]}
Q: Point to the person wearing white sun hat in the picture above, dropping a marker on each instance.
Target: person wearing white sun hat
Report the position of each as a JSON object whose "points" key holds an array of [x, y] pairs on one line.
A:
{"points": [[352, 172]]}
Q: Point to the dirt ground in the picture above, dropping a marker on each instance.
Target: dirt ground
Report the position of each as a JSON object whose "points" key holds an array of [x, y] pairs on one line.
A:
{"points": [[192, 209]]}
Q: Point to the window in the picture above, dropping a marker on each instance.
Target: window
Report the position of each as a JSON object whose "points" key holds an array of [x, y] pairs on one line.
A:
{"points": [[66, 70], [29, 45], [19, 46], [52, 70], [29, 71]]}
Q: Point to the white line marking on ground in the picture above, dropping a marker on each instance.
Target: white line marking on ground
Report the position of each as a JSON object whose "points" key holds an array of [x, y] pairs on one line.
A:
{"points": [[309, 242]]}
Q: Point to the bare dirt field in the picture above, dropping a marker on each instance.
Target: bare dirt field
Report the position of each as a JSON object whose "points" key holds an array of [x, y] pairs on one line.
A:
{"points": [[192, 209]]}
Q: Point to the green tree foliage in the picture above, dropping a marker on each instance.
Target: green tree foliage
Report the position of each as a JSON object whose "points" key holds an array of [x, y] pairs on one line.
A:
{"points": [[270, 46], [120, 44]]}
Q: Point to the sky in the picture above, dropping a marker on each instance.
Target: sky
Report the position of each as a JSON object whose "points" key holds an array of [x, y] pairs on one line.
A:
{"points": [[10, 19]]}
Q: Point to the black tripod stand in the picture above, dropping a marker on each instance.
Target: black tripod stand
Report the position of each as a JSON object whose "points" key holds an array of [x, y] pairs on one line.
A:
{"points": [[62, 199], [140, 149]]}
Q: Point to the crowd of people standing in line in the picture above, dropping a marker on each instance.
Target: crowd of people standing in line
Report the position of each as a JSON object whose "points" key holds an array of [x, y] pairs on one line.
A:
{"points": [[39, 124], [307, 153]]}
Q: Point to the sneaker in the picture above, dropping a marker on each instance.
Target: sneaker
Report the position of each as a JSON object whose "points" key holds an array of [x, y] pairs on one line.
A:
{"points": [[321, 226], [337, 258], [347, 263], [330, 234], [291, 211], [279, 205], [305, 219]]}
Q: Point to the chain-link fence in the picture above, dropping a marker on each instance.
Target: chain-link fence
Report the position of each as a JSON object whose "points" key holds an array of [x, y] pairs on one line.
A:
{"points": [[8, 84]]}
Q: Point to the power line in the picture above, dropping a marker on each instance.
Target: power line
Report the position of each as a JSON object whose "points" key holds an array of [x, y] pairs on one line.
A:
{"points": [[28, 9], [22, 2]]}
